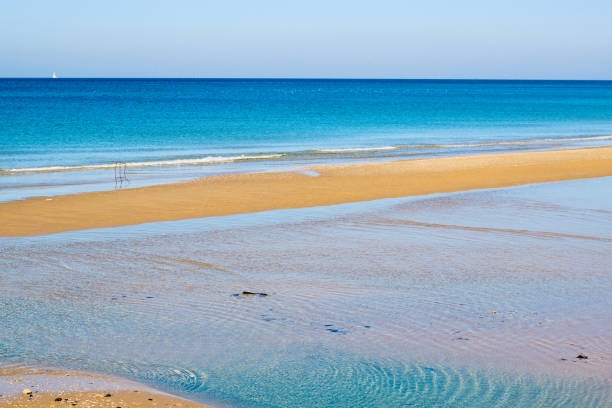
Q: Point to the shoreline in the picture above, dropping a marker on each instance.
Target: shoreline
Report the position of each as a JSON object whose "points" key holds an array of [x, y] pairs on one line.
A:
{"points": [[101, 399], [336, 184], [25, 387]]}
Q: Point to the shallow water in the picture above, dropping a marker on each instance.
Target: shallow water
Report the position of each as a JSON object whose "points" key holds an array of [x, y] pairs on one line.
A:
{"points": [[481, 298]]}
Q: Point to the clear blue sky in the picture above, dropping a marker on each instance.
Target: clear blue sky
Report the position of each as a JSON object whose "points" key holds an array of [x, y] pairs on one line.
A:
{"points": [[311, 38]]}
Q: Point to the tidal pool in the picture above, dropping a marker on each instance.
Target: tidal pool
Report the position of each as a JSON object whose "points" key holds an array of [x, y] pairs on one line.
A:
{"points": [[480, 298]]}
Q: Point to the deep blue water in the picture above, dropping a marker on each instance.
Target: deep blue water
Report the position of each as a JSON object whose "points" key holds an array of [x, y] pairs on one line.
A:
{"points": [[69, 122], [175, 129]]}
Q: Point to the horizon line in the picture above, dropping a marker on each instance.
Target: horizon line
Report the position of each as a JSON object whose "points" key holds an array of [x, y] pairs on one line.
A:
{"points": [[308, 78]]}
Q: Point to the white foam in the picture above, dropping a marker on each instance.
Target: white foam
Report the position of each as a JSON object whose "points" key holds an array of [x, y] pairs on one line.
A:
{"points": [[484, 144], [356, 149], [230, 159], [529, 141], [176, 162]]}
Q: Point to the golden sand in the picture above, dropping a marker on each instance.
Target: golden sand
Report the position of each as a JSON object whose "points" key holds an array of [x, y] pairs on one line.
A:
{"points": [[247, 193], [49, 388], [123, 399]]}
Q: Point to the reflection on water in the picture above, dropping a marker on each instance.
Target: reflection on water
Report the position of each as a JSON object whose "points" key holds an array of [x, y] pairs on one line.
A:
{"points": [[470, 299]]}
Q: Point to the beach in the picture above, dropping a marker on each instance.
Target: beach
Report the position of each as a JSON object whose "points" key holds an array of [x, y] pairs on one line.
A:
{"points": [[37, 388], [327, 185], [99, 399], [482, 298], [257, 243]]}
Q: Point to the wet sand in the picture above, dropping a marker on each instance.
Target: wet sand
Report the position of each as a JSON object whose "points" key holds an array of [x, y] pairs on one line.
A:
{"points": [[481, 298], [34, 388], [247, 193], [123, 399]]}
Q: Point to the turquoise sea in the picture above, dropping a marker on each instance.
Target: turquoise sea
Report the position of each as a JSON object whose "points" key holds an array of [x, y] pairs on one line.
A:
{"points": [[471, 299], [62, 136]]}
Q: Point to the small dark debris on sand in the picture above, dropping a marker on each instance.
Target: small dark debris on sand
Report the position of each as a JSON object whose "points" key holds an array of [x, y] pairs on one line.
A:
{"points": [[107, 395], [248, 293], [58, 399], [582, 357]]}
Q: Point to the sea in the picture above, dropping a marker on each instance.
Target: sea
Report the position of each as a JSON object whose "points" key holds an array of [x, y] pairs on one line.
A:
{"points": [[482, 298], [62, 136]]}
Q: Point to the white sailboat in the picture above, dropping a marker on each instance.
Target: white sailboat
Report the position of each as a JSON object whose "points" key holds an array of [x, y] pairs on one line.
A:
{"points": [[54, 76]]}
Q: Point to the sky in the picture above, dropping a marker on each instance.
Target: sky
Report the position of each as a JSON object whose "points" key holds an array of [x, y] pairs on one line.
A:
{"points": [[536, 39]]}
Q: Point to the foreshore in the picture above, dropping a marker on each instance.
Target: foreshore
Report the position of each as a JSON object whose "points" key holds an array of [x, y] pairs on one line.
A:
{"points": [[100, 399], [24, 387], [248, 193]]}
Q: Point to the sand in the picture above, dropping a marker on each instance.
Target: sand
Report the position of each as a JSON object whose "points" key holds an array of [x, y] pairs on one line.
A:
{"points": [[247, 193], [123, 399], [27, 387]]}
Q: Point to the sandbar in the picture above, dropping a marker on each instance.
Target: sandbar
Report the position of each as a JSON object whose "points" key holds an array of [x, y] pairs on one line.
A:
{"points": [[336, 184]]}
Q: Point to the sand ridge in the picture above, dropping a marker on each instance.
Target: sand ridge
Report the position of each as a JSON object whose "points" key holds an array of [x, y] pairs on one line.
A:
{"points": [[254, 192]]}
